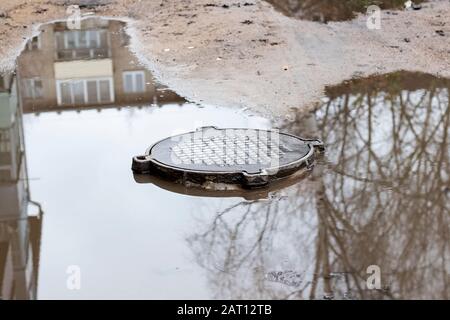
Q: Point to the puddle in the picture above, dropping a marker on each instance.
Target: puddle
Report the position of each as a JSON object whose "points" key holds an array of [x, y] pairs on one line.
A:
{"points": [[380, 197], [330, 10]]}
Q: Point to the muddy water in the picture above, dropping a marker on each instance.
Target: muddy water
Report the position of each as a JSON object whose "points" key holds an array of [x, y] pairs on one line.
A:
{"points": [[330, 10], [379, 198]]}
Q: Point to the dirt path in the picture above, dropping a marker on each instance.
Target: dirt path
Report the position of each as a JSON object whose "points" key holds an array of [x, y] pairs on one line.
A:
{"points": [[245, 54]]}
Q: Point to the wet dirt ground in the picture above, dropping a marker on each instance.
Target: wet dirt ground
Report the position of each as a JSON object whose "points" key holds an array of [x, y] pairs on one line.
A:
{"points": [[378, 197], [246, 54]]}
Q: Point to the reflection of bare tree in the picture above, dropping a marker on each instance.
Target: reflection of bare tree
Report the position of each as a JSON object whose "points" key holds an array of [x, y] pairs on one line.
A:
{"points": [[329, 10], [382, 199]]}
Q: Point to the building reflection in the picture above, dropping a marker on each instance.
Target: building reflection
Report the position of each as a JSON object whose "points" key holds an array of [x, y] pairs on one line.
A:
{"points": [[20, 232], [90, 67], [382, 198]]}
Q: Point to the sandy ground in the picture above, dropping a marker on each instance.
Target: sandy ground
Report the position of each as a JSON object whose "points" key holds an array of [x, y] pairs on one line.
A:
{"points": [[246, 54]]}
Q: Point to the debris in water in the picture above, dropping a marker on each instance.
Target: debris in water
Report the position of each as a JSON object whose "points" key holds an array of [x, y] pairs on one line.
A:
{"points": [[348, 295]]}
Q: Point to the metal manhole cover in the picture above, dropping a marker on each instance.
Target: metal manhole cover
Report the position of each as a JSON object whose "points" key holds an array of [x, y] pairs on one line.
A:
{"points": [[249, 157]]}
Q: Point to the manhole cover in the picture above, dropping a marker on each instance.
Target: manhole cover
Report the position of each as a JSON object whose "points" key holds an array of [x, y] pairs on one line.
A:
{"points": [[249, 157]]}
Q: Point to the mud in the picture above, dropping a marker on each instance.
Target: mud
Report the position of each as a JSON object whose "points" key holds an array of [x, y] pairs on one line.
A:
{"points": [[246, 54]]}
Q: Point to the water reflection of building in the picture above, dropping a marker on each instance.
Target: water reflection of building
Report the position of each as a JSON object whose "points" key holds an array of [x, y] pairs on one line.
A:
{"points": [[89, 67], [19, 232]]}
